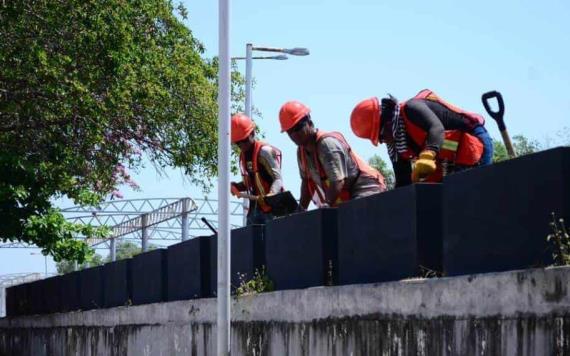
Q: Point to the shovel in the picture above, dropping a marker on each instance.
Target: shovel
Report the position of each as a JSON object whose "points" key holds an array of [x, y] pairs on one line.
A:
{"points": [[498, 116]]}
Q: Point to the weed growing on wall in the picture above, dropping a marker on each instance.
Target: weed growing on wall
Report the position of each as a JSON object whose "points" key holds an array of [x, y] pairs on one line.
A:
{"points": [[559, 242], [258, 284]]}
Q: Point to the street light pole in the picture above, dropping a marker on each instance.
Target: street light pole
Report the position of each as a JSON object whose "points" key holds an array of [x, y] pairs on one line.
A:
{"points": [[248, 65], [249, 48], [223, 317]]}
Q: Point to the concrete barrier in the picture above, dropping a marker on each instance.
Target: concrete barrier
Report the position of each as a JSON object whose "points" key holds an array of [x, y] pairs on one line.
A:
{"points": [[247, 252], [301, 249], [189, 269], [497, 217], [390, 236], [523, 312]]}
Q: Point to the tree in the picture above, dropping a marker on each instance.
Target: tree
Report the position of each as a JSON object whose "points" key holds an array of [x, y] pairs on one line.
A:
{"points": [[87, 89], [377, 162], [521, 144]]}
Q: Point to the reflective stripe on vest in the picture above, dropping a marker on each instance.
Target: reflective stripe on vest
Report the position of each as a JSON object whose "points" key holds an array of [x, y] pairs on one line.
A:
{"points": [[259, 187], [344, 195]]}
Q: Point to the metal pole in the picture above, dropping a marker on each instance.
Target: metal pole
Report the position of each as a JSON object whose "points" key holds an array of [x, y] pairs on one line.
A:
{"points": [[248, 87], [144, 232], [45, 260], [184, 218], [113, 251], [248, 84], [223, 291]]}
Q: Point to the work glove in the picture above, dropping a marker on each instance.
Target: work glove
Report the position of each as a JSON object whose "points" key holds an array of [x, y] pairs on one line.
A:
{"points": [[234, 189], [425, 165]]}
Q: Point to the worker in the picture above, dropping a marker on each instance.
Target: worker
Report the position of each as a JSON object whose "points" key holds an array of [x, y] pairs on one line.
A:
{"points": [[260, 166], [439, 137], [331, 172]]}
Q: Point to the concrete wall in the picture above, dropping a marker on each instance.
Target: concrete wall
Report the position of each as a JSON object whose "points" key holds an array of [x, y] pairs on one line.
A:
{"points": [[510, 313]]}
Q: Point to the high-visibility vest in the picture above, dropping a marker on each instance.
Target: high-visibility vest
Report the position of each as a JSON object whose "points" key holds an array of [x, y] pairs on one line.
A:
{"points": [[459, 147], [259, 186], [318, 195]]}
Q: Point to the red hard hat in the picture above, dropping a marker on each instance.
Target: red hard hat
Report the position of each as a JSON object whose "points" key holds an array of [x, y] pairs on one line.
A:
{"points": [[291, 113], [365, 120], [242, 126]]}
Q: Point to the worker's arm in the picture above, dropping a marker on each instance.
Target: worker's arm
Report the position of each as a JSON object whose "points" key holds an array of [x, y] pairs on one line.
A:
{"points": [[270, 163], [333, 191], [420, 114], [333, 158], [305, 196]]}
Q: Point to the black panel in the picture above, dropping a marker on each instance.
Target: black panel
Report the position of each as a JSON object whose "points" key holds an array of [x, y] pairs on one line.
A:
{"points": [[301, 249], [189, 269], [91, 288], [497, 217], [247, 255], [116, 278], [18, 301], [149, 277], [388, 236], [36, 291], [69, 292]]}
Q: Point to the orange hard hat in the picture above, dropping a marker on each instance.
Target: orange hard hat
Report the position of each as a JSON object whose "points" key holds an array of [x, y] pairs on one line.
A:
{"points": [[291, 113], [365, 120], [242, 126]]}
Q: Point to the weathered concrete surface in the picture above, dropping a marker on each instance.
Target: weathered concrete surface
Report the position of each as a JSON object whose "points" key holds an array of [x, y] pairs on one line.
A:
{"points": [[511, 313]]}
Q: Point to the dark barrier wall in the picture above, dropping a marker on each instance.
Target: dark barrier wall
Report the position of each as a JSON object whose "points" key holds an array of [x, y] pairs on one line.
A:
{"points": [[117, 283], [388, 236], [149, 277], [497, 217], [247, 255], [301, 249], [91, 288], [189, 269], [18, 300], [69, 292], [493, 218]]}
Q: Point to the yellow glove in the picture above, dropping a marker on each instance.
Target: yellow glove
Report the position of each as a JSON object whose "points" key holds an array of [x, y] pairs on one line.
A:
{"points": [[425, 165]]}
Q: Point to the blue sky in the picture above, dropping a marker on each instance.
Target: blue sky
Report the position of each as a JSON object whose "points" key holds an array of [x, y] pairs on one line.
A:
{"points": [[363, 48]]}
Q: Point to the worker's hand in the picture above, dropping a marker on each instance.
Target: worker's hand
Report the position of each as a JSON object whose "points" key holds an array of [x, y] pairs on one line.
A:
{"points": [[425, 165], [234, 189], [260, 200]]}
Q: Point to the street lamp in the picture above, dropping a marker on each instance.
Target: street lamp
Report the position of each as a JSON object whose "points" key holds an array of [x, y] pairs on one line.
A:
{"points": [[45, 261], [249, 48]]}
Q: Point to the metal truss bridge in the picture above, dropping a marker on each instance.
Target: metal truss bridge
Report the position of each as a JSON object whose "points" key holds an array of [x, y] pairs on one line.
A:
{"points": [[160, 221]]}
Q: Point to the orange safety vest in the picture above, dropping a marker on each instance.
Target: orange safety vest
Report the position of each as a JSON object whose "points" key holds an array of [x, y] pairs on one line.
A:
{"points": [[259, 186], [459, 147], [318, 195]]}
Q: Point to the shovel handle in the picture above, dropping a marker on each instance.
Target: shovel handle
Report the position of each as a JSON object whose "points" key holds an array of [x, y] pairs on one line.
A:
{"points": [[508, 143], [497, 115]]}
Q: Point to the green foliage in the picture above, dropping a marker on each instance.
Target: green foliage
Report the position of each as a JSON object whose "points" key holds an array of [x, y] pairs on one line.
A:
{"points": [[559, 241], [377, 162], [87, 89], [522, 145], [258, 284]]}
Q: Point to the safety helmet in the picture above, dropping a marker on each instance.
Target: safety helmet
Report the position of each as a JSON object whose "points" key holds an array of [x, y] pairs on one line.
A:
{"points": [[291, 113], [242, 126], [365, 120]]}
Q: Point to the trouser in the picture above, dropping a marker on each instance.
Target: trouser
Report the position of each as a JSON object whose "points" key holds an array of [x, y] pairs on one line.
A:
{"points": [[481, 133], [258, 217]]}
